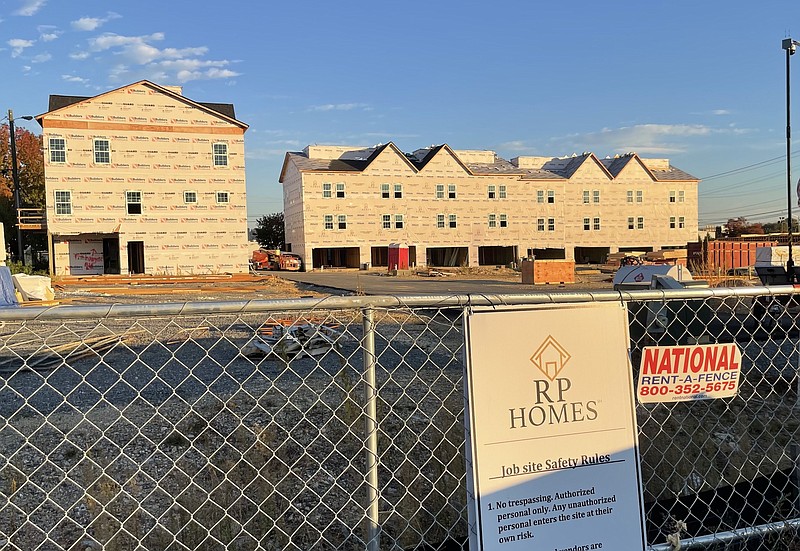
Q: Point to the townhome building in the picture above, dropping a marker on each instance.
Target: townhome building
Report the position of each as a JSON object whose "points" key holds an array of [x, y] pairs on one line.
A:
{"points": [[348, 206], [142, 180]]}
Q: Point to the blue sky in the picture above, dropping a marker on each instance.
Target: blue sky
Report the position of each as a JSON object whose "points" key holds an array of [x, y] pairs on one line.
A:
{"points": [[702, 83]]}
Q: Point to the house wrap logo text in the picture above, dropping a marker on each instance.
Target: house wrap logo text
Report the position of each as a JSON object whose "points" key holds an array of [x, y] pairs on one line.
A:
{"points": [[551, 403]]}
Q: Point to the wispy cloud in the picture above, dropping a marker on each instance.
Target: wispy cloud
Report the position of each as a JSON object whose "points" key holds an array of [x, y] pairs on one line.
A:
{"points": [[30, 7], [658, 139], [41, 58], [73, 78], [18, 45], [339, 107], [93, 23], [48, 33], [720, 112]]}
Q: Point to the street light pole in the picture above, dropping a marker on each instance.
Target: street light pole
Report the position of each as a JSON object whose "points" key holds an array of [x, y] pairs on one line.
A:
{"points": [[790, 46], [15, 179]]}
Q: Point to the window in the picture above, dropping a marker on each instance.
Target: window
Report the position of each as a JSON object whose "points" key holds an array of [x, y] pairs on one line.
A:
{"points": [[342, 221], [540, 224], [672, 222], [102, 152], [327, 190], [386, 221], [672, 197], [630, 223], [340, 190], [539, 196], [586, 224], [190, 197], [492, 220], [220, 154], [551, 196], [551, 224], [503, 221], [440, 220], [639, 196], [223, 197], [492, 192], [585, 196], [58, 150], [681, 222], [640, 223], [596, 196], [596, 224], [451, 221], [681, 196], [630, 196], [328, 219], [384, 191], [451, 192], [398, 191], [440, 191], [133, 200], [502, 192], [63, 202], [398, 221]]}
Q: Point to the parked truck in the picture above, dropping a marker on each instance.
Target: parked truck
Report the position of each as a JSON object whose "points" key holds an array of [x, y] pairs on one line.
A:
{"points": [[274, 259]]}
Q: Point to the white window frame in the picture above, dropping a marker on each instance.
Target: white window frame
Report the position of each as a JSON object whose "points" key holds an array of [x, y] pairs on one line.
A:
{"points": [[385, 193], [190, 197], [596, 196], [596, 223], [540, 224], [629, 196], [586, 194], [492, 220], [551, 224], [133, 197], [398, 191], [223, 197], [551, 197], [640, 223], [681, 196], [399, 221], [58, 148], [440, 221], [540, 196], [219, 152], [639, 196], [452, 191], [587, 224], [327, 222], [327, 190], [502, 191], [503, 221], [341, 222], [340, 190], [63, 202], [386, 221], [102, 151], [440, 191], [672, 222], [681, 222], [491, 192], [631, 223], [452, 221]]}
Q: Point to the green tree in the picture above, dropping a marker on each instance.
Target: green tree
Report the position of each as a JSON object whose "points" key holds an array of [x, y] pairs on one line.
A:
{"points": [[270, 231]]}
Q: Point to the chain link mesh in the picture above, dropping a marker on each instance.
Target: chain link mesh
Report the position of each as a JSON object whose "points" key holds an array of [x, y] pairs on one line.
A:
{"points": [[231, 427]]}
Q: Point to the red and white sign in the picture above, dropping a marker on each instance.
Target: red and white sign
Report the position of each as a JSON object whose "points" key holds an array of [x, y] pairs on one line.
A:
{"points": [[693, 372]]}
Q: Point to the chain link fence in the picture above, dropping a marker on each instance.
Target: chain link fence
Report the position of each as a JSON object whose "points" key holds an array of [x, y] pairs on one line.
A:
{"points": [[338, 424]]}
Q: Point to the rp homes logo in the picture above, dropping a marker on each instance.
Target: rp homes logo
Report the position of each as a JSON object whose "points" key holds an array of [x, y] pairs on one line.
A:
{"points": [[550, 358], [550, 403]]}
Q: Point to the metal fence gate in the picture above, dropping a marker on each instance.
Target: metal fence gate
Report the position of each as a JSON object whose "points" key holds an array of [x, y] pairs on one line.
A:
{"points": [[338, 424]]}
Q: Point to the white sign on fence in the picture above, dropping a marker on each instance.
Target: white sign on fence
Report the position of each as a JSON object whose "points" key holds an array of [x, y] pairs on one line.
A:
{"points": [[551, 430], [693, 372]]}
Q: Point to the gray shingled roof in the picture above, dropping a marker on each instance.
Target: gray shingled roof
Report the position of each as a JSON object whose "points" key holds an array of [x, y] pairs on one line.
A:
{"points": [[59, 102]]}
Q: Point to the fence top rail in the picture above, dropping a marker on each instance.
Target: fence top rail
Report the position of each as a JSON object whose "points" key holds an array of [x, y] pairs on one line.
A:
{"points": [[96, 311]]}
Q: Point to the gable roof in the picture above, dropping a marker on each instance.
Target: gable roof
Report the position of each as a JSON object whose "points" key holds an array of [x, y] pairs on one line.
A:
{"points": [[578, 161], [223, 110], [433, 152]]}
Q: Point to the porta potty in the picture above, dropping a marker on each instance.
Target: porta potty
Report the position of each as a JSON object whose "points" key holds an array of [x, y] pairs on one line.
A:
{"points": [[398, 257]]}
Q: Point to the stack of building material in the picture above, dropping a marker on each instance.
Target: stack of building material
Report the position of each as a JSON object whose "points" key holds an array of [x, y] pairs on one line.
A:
{"points": [[535, 272], [667, 256]]}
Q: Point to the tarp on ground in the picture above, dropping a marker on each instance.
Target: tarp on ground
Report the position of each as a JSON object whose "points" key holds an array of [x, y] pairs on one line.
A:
{"points": [[7, 295], [33, 287]]}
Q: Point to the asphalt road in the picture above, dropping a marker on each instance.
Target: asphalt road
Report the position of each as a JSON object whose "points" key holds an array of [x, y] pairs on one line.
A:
{"points": [[377, 283]]}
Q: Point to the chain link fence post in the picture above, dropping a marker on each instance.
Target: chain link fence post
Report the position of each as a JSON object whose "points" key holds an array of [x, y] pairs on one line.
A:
{"points": [[371, 430]]}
